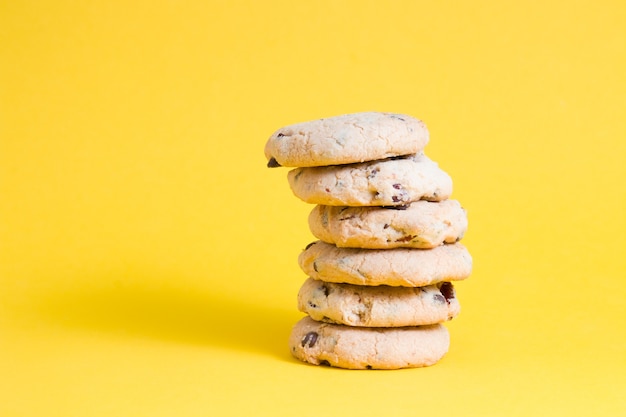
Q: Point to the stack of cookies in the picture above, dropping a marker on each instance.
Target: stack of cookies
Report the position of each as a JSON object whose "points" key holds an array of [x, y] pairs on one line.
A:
{"points": [[380, 275]]}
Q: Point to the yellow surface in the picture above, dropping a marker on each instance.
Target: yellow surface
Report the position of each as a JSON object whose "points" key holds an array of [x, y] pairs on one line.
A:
{"points": [[148, 257]]}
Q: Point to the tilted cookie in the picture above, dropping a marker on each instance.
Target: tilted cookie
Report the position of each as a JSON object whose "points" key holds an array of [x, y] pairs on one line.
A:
{"points": [[387, 182], [368, 347], [346, 139], [397, 267], [381, 306], [422, 224]]}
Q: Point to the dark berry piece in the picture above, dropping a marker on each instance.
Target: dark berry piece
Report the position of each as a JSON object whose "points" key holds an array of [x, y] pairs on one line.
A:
{"points": [[373, 173], [447, 290]]}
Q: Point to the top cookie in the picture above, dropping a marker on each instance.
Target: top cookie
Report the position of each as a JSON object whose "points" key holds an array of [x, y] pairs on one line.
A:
{"points": [[346, 139]]}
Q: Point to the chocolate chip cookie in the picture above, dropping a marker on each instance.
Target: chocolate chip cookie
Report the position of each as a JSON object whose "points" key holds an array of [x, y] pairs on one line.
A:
{"points": [[320, 343], [346, 139], [422, 224], [396, 267], [380, 306], [387, 182]]}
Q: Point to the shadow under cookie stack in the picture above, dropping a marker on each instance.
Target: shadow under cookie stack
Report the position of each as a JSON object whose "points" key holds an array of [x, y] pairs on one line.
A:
{"points": [[380, 275]]}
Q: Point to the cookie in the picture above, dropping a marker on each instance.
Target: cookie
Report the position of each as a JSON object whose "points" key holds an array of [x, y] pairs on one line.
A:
{"points": [[422, 225], [387, 182], [381, 306], [396, 267], [368, 348], [346, 139]]}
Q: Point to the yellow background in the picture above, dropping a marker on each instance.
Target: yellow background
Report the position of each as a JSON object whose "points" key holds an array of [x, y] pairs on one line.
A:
{"points": [[148, 257]]}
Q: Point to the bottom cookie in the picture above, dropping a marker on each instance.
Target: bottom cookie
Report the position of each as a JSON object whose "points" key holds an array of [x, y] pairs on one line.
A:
{"points": [[368, 348]]}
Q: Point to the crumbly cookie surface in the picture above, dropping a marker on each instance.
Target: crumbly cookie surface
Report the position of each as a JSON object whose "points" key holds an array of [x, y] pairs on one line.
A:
{"points": [[388, 182], [368, 348], [380, 306], [422, 224], [396, 267], [346, 139]]}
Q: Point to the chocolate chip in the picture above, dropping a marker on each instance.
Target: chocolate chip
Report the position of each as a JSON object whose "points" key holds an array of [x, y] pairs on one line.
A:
{"points": [[273, 163], [398, 207], [309, 339], [309, 245], [447, 290], [386, 226], [325, 289]]}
